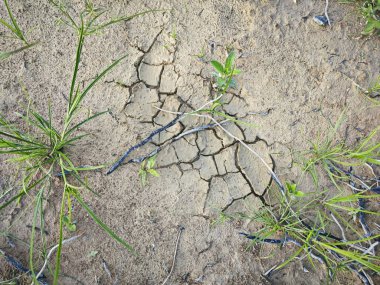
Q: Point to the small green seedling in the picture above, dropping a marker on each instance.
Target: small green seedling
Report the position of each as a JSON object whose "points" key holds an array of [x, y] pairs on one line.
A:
{"points": [[293, 191], [224, 73], [224, 79], [147, 166], [201, 55]]}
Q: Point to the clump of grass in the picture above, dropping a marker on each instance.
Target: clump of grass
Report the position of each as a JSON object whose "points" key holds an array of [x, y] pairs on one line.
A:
{"points": [[326, 227], [334, 158], [15, 33], [41, 149], [308, 227]]}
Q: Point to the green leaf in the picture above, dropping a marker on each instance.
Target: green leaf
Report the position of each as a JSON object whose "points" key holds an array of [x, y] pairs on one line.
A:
{"points": [[230, 60], [221, 82], [68, 224], [151, 162], [218, 66], [153, 172], [142, 174], [291, 187], [236, 71], [369, 28], [299, 194]]}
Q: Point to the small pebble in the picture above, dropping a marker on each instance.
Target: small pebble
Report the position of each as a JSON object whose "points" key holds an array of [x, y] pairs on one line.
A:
{"points": [[321, 20]]}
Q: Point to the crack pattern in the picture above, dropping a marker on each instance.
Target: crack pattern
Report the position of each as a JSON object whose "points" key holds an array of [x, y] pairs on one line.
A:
{"points": [[212, 153]]}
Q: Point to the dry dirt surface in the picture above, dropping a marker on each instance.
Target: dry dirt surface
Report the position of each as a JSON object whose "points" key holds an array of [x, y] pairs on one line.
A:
{"points": [[296, 76]]}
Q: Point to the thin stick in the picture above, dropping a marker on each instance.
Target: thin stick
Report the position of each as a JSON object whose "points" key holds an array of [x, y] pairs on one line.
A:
{"points": [[52, 251], [180, 229], [344, 239], [141, 143], [106, 269], [371, 249], [176, 138], [327, 16], [179, 117]]}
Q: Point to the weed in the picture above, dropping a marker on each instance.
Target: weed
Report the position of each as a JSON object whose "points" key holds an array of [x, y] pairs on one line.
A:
{"points": [[225, 79], [147, 167], [322, 225], [41, 151], [224, 73], [370, 10], [16, 33], [313, 236], [333, 158], [202, 54], [293, 191]]}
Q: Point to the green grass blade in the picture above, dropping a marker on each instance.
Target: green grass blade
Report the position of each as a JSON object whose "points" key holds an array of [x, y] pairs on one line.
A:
{"points": [[59, 250], [21, 138], [25, 191], [80, 97], [362, 259], [293, 256], [62, 9], [44, 125], [14, 198], [77, 61], [5, 24], [123, 18], [18, 31], [6, 54], [101, 224], [34, 221], [82, 123]]}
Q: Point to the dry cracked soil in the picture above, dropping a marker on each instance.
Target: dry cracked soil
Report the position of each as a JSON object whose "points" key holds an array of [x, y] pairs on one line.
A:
{"points": [[296, 78]]}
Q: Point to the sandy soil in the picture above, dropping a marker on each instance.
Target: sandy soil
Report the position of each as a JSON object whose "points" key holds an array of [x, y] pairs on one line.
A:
{"points": [[296, 77]]}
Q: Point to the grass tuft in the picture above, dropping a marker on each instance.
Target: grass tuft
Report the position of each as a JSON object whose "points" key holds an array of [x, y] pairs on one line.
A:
{"points": [[40, 148]]}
